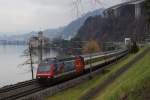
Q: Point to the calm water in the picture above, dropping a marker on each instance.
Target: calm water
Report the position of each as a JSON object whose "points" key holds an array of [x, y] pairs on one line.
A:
{"points": [[11, 70]]}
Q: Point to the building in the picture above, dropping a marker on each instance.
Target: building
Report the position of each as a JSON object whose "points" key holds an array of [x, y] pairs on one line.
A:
{"points": [[147, 38], [36, 41], [127, 41]]}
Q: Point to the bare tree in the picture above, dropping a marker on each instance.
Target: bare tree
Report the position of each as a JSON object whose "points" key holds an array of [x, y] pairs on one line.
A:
{"points": [[28, 54], [91, 47]]}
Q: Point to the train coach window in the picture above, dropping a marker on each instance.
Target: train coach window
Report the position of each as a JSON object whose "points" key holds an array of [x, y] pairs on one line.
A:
{"points": [[44, 68]]}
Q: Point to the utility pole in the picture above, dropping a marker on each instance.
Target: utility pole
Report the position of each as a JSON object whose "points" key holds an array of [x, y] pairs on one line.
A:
{"points": [[40, 45], [31, 62], [91, 56], [41, 51], [90, 66]]}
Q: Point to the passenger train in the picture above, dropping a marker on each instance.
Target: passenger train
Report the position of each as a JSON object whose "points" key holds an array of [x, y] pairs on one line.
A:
{"points": [[53, 68]]}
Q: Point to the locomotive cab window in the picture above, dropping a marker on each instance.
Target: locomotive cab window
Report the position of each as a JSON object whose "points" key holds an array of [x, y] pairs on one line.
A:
{"points": [[44, 68]]}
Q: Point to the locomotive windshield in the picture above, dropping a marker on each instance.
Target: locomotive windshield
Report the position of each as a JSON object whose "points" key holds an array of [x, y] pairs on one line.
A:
{"points": [[44, 68]]}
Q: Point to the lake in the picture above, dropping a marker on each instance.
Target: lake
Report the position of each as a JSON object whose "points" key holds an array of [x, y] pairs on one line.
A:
{"points": [[11, 70]]}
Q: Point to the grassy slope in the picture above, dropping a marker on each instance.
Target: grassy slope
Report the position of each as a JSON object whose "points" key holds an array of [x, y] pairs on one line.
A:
{"points": [[76, 92], [131, 84]]}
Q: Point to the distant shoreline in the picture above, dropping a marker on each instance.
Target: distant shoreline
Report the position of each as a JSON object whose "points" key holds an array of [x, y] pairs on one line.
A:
{"points": [[13, 44]]}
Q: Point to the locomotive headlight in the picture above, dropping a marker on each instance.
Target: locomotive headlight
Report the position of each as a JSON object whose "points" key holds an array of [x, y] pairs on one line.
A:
{"points": [[38, 77], [48, 77]]}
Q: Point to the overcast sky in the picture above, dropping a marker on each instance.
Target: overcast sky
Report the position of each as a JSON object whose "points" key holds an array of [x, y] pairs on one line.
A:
{"points": [[20, 16]]}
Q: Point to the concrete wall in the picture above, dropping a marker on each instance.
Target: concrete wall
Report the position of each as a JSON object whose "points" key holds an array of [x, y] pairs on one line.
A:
{"points": [[125, 9]]}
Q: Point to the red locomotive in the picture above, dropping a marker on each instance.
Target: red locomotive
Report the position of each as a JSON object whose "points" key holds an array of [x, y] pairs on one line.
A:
{"points": [[51, 68]]}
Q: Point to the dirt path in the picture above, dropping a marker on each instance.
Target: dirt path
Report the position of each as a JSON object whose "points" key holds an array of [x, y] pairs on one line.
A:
{"points": [[91, 94]]}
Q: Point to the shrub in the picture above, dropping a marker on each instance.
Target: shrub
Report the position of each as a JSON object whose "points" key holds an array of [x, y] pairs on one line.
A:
{"points": [[134, 47]]}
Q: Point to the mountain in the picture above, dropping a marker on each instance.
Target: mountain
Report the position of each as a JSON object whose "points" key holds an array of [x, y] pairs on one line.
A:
{"points": [[50, 33], [53, 33], [65, 32], [71, 29]]}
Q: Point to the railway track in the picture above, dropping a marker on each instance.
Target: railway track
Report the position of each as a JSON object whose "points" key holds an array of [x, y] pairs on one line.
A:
{"points": [[18, 85], [26, 88], [23, 89]]}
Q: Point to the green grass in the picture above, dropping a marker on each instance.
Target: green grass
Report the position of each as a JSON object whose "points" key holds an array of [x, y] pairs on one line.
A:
{"points": [[76, 92], [130, 83]]}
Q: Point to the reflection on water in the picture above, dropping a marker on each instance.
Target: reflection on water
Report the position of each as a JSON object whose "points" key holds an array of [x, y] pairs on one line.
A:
{"points": [[10, 59]]}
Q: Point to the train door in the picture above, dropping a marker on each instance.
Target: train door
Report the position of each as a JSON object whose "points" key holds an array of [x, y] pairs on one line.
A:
{"points": [[79, 64]]}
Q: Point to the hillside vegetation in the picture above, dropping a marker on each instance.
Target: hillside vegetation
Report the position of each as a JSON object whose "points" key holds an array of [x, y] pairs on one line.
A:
{"points": [[132, 85]]}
